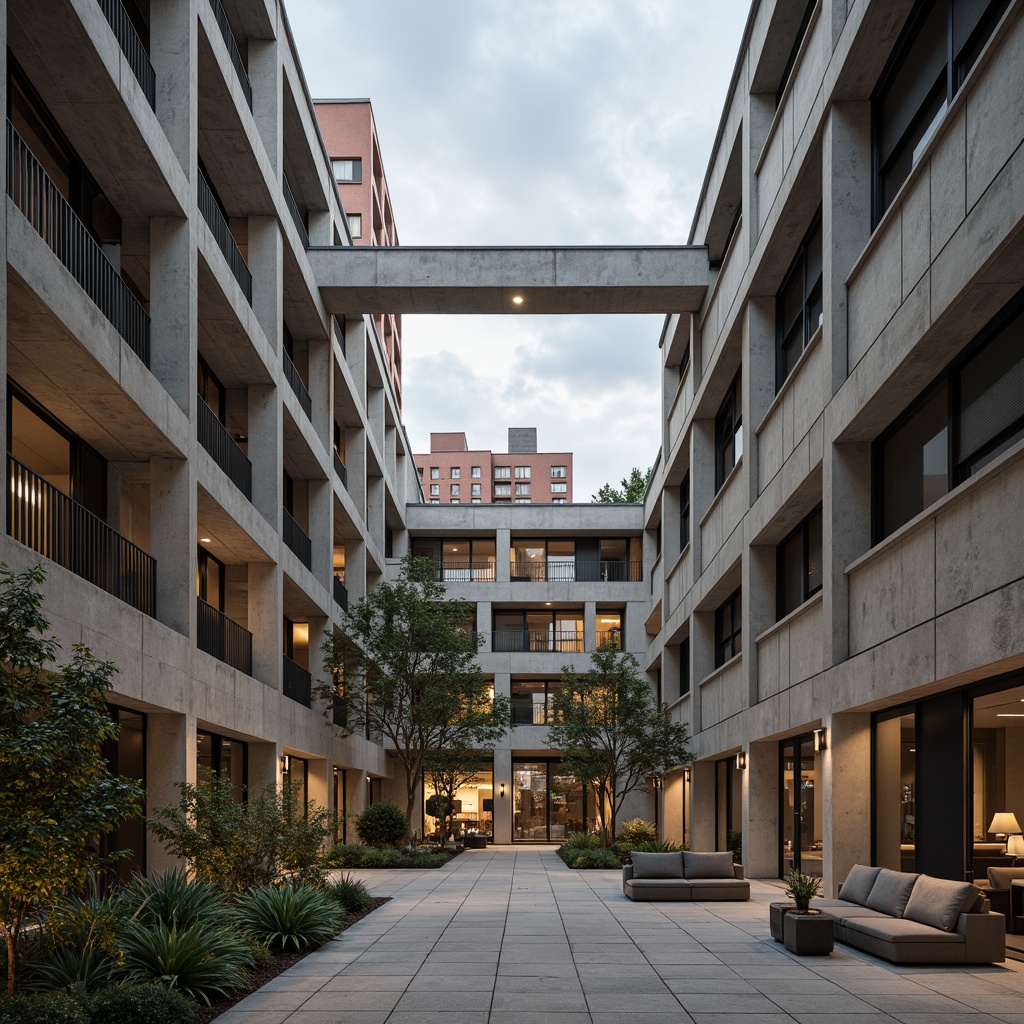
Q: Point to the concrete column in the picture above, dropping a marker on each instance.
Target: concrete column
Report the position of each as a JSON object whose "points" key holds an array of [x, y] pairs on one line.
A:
{"points": [[702, 482], [266, 622], [320, 228], [375, 506], [846, 769], [355, 463], [589, 626], [503, 804], [265, 75], [502, 548], [846, 222], [355, 570], [702, 655], [320, 391], [170, 758], [761, 811], [266, 452], [484, 625], [265, 257], [264, 766], [846, 513], [321, 530], [758, 382], [318, 784], [173, 293], [174, 53], [172, 541], [702, 806], [355, 353], [760, 114]]}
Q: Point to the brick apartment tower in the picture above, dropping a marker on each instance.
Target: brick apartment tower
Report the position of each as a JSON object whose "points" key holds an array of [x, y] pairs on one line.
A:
{"points": [[350, 135], [452, 474]]}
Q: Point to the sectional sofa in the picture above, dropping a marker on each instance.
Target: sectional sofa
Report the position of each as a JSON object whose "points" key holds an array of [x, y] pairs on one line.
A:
{"points": [[684, 876], [910, 918]]}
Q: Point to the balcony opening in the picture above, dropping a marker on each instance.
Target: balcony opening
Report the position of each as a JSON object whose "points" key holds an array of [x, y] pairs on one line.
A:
{"points": [[221, 426], [216, 633], [296, 370], [340, 591], [538, 631], [298, 683], [295, 522], [609, 630]]}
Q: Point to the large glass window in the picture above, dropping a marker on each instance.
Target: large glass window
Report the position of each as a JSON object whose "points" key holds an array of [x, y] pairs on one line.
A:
{"points": [[940, 45], [347, 169], [126, 758], [538, 631], [609, 629], [459, 560], [801, 814], [895, 796], [548, 805], [798, 305], [531, 700], [473, 813], [224, 758], [684, 512], [728, 434], [798, 565], [728, 629], [728, 804]]}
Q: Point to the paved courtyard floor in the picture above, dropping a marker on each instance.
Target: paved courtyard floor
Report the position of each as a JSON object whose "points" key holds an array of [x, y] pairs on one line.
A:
{"points": [[511, 936]]}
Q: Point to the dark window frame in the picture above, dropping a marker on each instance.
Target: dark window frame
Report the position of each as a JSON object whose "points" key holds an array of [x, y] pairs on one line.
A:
{"points": [[685, 680], [787, 73], [684, 512], [357, 170], [728, 424], [803, 531], [728, 645], [812, 296]]}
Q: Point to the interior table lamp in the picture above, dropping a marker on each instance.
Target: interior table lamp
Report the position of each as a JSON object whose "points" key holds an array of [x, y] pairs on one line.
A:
{"points": [[1004, 824]]}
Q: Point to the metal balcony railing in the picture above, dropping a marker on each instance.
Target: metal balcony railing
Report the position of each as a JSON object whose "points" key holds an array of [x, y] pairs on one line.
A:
{"points": [[465, 572], [339, 468], [526, 712], [293, 206], [298, 683], [218, 224], [610, 638], [49, 521], [222, 637], [292, 373], [236, 58], [214, 437], [59, 226], [576, 571], [536, 641], [340, 593], [339, 711], [131, 46], [295, 537]]}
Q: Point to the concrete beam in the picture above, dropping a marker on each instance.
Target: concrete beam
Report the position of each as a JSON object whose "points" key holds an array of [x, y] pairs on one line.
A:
{"points": [[614, 279]]}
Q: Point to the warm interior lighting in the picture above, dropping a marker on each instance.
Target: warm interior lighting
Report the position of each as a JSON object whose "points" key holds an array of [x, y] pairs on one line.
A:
{"points": [[501, 790], [1007, 714], [1015, 846], [517, 300], [205, 540], [1003, 824]]}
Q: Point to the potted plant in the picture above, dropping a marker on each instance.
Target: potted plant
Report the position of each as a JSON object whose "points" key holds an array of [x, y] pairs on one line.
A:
{"points": [[802, 889]]}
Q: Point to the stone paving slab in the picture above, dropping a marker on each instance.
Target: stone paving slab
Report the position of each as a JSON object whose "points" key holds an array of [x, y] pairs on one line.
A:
{"points": [[509, 935]]}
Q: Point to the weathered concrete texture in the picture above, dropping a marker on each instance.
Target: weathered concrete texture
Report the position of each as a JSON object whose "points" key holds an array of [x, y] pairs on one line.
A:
{"points": [[656, 279]]}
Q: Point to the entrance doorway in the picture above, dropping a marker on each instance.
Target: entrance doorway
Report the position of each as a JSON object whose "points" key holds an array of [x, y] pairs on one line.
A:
{"points": [[547, 805], [800, 811]]}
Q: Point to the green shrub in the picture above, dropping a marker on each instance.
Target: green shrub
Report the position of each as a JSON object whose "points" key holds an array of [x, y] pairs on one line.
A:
{"points": [[353, 855], [381, 825], [346, 855], [199, 961], [600, 858], [296, 916], [622, 851], [172, 898], [352, 895], [657, 846], [150, 1003], [386, 858], [77, 970], [90, 921], [637, 830], [581, 841], [734, 843], [42, 1008], [427, 860]]}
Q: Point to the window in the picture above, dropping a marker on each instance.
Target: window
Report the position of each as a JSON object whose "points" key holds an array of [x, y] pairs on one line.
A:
{"points": [[522, 488], [456, 501], [558, 501], [475, 472], [523, 501], [798, 308], [347, 169], [455, 489], [211, 391], [435, 501], [474, 501], [435, 473], [728, 434], [522, 472], [456, 472], [684, 667], [502, 490], [355, 224], [558, 472], [435, 489], [502, 472], [419, 471], [798, 565], [791, 62], [969, 417], [684, 511], [920, 83], [558, 488], [474, 489], [728, 630]]}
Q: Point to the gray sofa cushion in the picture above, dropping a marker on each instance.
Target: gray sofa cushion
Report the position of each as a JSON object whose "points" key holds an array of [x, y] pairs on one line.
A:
{"points": [[656, 865], [1000, 878], [857, 886], [899, 931], [891, 891], [708, 865], [939, 901]]}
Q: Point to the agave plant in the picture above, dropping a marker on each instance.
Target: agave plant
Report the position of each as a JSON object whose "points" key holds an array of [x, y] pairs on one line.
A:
{"points": [[80, 970], [175, 900], [351, 894], [295, 916]]}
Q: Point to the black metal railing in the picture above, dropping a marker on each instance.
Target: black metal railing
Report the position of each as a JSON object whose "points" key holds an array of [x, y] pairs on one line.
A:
{"points": [[218, 224], [131, 46], [526, 712], [214, 437], [291, 371], [339, 711], [51, 215], [536, 641], [576, 571], [340, 593], [48, 521], [465, 572], [298, 683], [222, 637], [236, 58], [339, 468], [300, 223], [295, 537], [610, 638]]}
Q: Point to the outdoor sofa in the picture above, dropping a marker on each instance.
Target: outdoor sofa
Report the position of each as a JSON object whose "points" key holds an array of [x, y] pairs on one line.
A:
{"points": [[684, 876], [909, 918]]}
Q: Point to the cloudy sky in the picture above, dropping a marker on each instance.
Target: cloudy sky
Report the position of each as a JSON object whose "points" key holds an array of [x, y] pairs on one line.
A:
{"points": [[532, 122]]}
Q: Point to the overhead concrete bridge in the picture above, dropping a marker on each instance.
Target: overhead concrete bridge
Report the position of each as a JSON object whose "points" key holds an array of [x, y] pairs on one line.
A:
{"points": [[490, 280]]}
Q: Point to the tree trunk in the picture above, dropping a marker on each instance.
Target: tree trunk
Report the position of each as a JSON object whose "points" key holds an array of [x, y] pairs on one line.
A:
{"points": [[12, 957]]}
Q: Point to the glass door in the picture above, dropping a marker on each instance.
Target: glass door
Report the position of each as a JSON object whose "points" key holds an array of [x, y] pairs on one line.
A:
{"points": [[800, 811], [546, 804]]}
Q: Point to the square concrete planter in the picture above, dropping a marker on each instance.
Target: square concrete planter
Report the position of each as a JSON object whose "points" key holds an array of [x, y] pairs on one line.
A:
{"points": [[808, 934], [777, 913]]}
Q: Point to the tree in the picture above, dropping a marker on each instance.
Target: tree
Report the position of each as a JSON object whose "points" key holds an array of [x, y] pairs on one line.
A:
{"points": [[57, 795], [634, 487], [403, 664], [612, 732]]}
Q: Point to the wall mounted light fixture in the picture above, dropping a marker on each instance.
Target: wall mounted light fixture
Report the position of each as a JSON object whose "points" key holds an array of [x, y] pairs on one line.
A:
{"points": [[656, 782], [687, 774], [501, 790], [286, 763], [741, 760], [821, 738]]}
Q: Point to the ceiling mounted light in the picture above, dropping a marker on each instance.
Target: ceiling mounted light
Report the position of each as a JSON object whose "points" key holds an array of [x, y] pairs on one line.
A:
{"points": [[517, 300], [204, 540]]}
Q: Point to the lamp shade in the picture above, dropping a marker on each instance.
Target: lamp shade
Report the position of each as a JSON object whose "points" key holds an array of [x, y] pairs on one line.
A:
{"points": [[1015, 846], [1004, 823]]}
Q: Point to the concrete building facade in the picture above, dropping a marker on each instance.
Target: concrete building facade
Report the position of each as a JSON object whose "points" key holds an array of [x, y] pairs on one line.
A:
{"points": [[452, 474]]}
